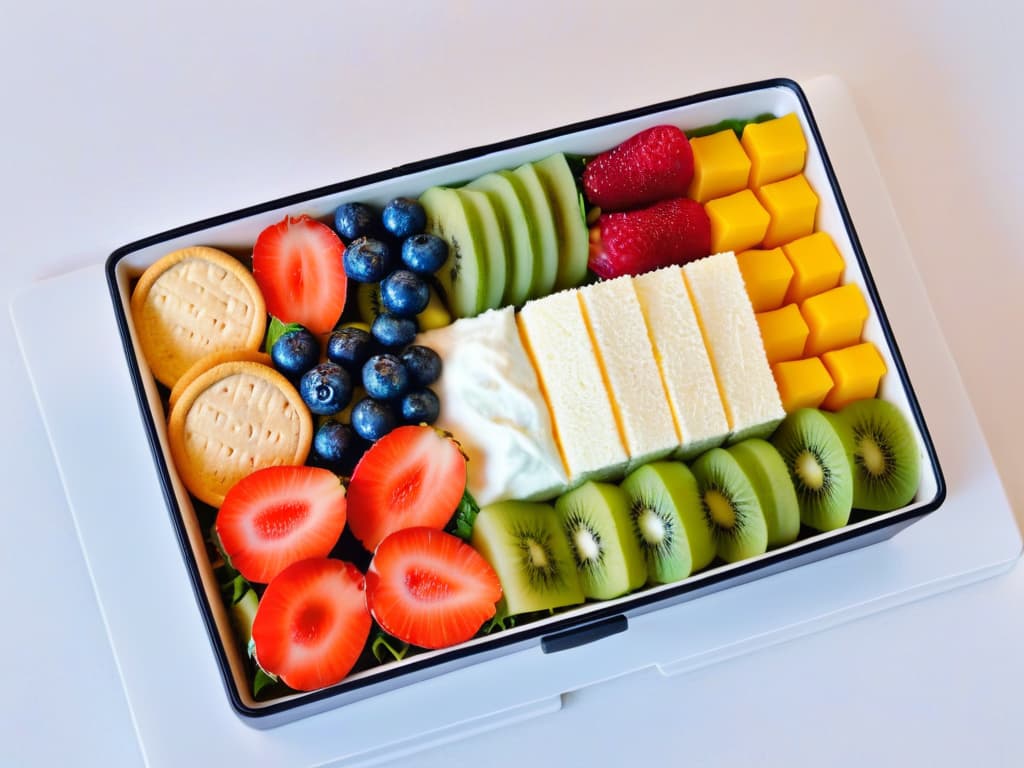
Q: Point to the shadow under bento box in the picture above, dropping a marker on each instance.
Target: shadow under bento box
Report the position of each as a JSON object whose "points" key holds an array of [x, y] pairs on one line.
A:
{"points": [[567, 628]]}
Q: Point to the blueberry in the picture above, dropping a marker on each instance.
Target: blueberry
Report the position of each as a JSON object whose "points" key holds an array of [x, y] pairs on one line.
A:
{"points": [[393, 331], [367, 260], [295, 352], [350, 347], [336, 445], [404, 293], [352, 220], [372, 419], [424, 253], [403, 216], [326, 388], [384, 377], [420, 406], [423, 365]]}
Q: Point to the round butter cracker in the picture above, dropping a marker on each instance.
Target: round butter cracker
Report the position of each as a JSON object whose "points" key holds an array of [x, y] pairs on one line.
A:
{"points": [[193, 302], [205, 363], [233, 419]]}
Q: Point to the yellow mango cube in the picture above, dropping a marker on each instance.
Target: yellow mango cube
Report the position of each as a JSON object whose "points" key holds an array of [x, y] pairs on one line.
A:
{"points": [[792, 204], [817, 266], [720, 166], [767, 275], [802, 383], [738, 221], [777, 149], [856, 373], [835, 318], [783, 332]]}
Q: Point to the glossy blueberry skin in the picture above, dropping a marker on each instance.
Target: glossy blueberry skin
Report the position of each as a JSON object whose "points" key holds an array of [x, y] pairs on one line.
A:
{"points": [[367, 260], [420, 406], [404, 293], [385, 377], [423, 365], [350, 348], [353, 220], [336, 445], [295, 352], [372, 419], [403, 217], [326, 389], [393, 331], [424, 254]]}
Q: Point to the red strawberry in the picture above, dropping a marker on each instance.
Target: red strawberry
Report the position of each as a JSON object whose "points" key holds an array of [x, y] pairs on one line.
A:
{"points": [[297, 265], [279, 515], [312, 623], [412, 476], [652, 165], [430, 588], [631, 243]]}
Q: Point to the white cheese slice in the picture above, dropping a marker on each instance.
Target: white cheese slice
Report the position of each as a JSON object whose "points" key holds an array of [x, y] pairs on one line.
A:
{"points": [[731, 334], [619, 333]]}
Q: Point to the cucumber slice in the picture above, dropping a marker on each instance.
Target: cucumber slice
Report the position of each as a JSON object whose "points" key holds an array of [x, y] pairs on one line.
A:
{"points": [[462, 277], [518, 230], [495, 260], [538, 209], [570, 226]]}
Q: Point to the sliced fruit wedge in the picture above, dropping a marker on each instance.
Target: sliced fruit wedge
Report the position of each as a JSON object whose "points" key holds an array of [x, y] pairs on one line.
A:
{"points": [[462, 277], [279, 515], [767, 473], [570, 224], [413, 476], [312, 623], [538, 209], [429, 588], [518, 230], [496, 272], [297, 265]]}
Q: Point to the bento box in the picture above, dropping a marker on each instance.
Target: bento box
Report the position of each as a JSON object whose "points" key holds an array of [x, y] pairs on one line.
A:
{"points": [[515, 395]]}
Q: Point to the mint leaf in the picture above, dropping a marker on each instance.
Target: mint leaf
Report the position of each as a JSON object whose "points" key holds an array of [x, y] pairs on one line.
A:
{"points": [[461, 523], [276, 330]]}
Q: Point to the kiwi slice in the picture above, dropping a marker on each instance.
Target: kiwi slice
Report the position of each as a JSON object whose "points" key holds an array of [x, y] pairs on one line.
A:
{"points": [[731, 507], [518, 232], [664, 511], [538, 209], [882, 452], [596, 521], [464, 275], [368, 302], [570, 224], [766, 470], [818, 466], [496, 270], [527, 548]]}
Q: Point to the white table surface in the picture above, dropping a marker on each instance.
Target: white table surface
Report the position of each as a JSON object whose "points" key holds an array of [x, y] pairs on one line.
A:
{"points": [[119, 121]]}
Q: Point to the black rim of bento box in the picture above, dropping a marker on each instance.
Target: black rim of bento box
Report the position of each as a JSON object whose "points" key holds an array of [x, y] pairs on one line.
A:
{"points": [[556, 626]]}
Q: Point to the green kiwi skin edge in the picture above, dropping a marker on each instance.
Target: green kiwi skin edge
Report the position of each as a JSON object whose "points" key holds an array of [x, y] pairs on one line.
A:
{"points": [[767, 473]]}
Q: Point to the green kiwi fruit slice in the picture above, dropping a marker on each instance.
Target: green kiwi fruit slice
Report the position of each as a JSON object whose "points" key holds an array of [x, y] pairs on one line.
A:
{"points": [[496, 271], [766, 470], [731, 507], [464, 277], [525, 544], [882, 452], [518, 231], [368, 302], [818, 466], [596, 521], [666, 520], [570, 225], [538, 209]]}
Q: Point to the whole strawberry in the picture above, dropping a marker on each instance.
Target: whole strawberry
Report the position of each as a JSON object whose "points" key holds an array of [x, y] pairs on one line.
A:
{"points": [[653, 165], [633, 242]]}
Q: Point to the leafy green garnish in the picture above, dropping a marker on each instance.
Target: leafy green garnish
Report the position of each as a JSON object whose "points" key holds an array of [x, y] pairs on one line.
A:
{"points": [[500, 621], [736, 125], [388, 648], [262, 680], [461, 523], [276, 330]]}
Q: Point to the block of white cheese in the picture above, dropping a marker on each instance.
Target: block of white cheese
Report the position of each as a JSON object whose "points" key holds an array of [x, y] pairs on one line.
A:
{"points": [[683, 360], [492, 403], [556, 337], [619, 333], [733, 339]]}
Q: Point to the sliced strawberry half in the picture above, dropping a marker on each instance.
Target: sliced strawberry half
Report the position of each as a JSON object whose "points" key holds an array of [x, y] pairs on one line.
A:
{"points": [[412, 476], [312, 623], [297, 264], [429, 588], [280, 515]]}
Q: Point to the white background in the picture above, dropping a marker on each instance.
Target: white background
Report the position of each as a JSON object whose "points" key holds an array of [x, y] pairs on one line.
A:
{"points": [[119, 120]]}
